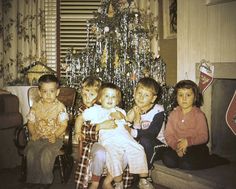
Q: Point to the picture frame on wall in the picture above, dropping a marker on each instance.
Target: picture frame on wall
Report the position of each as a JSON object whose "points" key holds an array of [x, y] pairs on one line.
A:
{"points": [[169, 19]]}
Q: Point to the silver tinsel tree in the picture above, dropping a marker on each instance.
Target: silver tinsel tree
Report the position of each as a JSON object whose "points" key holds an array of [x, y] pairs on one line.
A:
{"points": [[121, 52]]}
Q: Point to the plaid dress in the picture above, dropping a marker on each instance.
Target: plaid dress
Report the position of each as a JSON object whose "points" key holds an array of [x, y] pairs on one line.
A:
{"points": [[81, 173]]}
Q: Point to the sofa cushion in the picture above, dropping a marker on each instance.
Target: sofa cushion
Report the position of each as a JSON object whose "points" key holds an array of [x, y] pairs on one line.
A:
{"points": [[9, 156], [9, 120], [1, 104], [9, 103]]}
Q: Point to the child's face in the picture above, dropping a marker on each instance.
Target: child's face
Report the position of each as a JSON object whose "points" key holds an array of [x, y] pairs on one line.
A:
{"points": [[49, 92], [144, 97], [109, 98], [89, 95], [185, 98]]}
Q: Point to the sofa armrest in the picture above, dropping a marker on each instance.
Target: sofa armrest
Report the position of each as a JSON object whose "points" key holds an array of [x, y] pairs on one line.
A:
{"points": [[9, 103]]}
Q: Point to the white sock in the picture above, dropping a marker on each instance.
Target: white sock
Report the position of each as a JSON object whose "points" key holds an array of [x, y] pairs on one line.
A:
{"points": [[143, 180], [119, 184]]}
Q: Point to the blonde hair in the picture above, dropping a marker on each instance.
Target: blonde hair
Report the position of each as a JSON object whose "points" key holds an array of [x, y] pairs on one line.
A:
{"points": [[92, 81], [110, 86], [150, 84]]}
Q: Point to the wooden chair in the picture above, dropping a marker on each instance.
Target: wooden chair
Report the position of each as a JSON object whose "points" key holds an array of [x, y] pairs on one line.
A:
{"points": [[64, 160]]}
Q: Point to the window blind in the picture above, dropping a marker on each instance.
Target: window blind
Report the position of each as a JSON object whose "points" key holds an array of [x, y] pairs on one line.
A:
{"points": [[74, 15], [51, 32]]}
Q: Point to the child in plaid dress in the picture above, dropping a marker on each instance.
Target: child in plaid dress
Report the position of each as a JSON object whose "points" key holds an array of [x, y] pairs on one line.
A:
{"points": [[121, 148], [93, 153]]}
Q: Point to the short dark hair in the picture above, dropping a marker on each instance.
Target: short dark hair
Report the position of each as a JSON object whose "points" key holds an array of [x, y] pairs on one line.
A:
{"points": [[110, 86], [48, 78], [188, 84]]}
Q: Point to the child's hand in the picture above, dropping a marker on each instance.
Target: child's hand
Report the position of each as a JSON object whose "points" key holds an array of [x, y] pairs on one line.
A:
{"points": [[182, 147], [117, 115], [52, 138], [134, 115], [79, 136], [180, 153], [137, 114], [128, 128], [182, 143], [34, 137], [130, 116], [108, 124]]}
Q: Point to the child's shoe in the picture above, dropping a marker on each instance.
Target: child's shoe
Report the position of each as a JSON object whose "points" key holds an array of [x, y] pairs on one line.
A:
{"points": [[119, 185], [145, 184], [150, 179]]}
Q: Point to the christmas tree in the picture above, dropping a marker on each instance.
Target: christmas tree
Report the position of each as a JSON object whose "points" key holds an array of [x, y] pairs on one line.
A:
{"points": [[121, 52]]}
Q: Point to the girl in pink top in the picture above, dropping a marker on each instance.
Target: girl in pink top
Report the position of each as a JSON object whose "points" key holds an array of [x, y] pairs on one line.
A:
{"points": [[186, 131]]}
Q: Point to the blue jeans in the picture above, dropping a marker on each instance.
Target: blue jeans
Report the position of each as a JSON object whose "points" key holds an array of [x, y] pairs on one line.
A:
{"points": [[195, 158], [148, 144]]}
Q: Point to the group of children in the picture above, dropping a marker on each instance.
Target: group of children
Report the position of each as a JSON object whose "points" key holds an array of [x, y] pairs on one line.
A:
{"points": [[116, 144]]}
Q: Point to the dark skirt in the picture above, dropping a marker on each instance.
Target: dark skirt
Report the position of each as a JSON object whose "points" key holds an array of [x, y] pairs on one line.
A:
{"points": [[196, 157]]}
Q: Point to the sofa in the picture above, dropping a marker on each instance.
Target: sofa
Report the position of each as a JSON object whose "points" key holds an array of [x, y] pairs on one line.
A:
{"points": [[10, 118]]}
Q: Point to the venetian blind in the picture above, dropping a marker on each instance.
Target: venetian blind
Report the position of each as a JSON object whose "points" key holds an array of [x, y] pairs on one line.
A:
{"points": [[50, 7], [74, 15]]}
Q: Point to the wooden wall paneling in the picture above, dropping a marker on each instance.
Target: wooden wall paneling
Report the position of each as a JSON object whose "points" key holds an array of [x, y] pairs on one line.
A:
{"points": [[182, 43], [204, 32]]}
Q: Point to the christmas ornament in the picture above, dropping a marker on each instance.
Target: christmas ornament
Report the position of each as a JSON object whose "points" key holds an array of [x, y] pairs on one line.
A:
{"points": [[230, 116], [206, 75], [110, 11], [118, 52]]}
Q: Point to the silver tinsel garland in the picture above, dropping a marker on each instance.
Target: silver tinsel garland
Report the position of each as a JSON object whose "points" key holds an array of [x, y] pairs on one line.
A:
{"points": [[121, 52]]}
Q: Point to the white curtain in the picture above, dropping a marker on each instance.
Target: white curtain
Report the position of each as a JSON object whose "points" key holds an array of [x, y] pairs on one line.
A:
{"points": [[22, 36]]}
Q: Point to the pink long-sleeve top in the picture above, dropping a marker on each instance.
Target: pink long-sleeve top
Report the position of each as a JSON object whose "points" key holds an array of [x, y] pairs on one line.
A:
{"points": [[192, 126]]}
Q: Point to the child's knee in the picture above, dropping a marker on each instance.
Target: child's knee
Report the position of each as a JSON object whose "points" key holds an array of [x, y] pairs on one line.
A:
{"points": [[145, 142], [95, 182], [100, 155], [118, 178]]}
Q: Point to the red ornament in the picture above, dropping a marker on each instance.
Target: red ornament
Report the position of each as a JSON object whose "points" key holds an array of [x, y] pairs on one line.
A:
{"points": [[230, 116]]}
